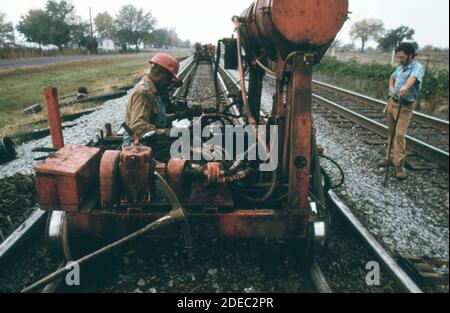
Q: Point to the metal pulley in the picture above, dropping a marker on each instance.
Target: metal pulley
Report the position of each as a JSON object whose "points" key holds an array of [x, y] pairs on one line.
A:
{"points": [[127, 174]]}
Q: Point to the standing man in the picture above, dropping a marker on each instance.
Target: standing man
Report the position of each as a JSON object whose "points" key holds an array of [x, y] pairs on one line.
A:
{"points": [[145, 115], [404, 90]]}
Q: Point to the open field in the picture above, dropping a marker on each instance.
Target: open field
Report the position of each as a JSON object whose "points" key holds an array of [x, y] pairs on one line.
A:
{"points": [[22, 87], [12, 64], [7, 53], [437, 60]]}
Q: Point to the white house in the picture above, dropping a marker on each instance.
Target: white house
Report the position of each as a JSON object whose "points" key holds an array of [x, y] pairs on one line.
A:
{"points": [[107, 45]]}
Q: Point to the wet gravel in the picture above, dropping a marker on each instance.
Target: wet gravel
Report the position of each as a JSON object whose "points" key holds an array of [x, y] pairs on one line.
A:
{"points": [[17, 201], [24, 271], [213, 266], [409, 217], [344, 264]]}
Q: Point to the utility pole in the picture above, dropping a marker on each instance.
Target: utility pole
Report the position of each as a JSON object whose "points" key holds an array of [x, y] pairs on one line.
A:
{"points": [[92, 45], [90, 22], [13, 34]]}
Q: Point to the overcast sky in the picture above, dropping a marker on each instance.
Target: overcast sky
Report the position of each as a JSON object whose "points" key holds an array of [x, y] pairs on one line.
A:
{"points": [[209, 20]]}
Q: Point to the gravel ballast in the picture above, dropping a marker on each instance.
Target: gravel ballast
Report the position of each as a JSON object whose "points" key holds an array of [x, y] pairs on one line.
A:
{"points": [[410, 217]]}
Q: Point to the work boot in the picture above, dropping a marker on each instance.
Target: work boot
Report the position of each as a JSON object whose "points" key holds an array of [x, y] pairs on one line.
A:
{"points": [[400, 173], [385, 163]]}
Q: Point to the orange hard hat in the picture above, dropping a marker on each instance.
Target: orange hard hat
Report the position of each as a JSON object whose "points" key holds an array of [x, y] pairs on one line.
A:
{"points": [[168, 62]]}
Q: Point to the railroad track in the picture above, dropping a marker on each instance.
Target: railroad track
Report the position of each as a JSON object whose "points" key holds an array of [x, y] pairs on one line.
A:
{"points": [[428, 136], [313, 277], [428, 139], [198, 78], [387, 261], [367, 112], [38, 216], [198, 86], [228, 91]]}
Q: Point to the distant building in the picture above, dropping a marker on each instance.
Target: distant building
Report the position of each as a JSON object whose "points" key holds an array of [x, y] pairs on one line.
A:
{"points": [[107, 45]]}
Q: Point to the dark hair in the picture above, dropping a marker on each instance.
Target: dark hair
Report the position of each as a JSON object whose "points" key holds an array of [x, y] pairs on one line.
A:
{"points": [[407, 48]]}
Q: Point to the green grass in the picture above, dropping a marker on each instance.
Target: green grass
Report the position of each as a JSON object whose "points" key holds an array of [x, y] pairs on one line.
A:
{"points": [[23, 87]]}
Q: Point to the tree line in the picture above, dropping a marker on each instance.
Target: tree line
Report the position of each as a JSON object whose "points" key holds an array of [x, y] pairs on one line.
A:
{"points": [[6, 30], [59, 25], [373, 29]]}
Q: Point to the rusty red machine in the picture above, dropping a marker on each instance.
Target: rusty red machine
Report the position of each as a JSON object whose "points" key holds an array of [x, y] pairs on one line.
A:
{"points": [[103, 193]]}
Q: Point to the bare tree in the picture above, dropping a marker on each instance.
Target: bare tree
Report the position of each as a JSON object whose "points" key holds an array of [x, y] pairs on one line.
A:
{"points": [[367, 29]]}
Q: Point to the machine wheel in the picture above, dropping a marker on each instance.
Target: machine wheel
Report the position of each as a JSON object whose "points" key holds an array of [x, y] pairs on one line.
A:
{"points": [[57, 236], [319, 228], [302, 249], [61, 241], [316, 240]]}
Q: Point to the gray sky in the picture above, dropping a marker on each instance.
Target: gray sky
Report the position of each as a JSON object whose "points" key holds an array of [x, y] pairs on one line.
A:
{"points": [[209, 20]]}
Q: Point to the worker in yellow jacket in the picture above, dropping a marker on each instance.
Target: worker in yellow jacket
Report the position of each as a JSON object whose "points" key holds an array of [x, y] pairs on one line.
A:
{"points": [[146, 112]]}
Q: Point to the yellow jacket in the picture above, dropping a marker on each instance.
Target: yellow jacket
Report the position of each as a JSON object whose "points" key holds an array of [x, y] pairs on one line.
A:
{"points": [[142, 109]]}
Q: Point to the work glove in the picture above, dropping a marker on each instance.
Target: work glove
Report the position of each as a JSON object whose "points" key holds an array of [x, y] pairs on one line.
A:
{"points": [[177, 83], [197, 110], [149, 134], [179, 105], [163, 132]]}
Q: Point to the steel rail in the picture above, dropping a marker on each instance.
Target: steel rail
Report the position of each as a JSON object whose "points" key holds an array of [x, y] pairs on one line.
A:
{"points": [[316, 278], [383, 256], [184, 75], [417, 116], [13, 243], [423, 149]]}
